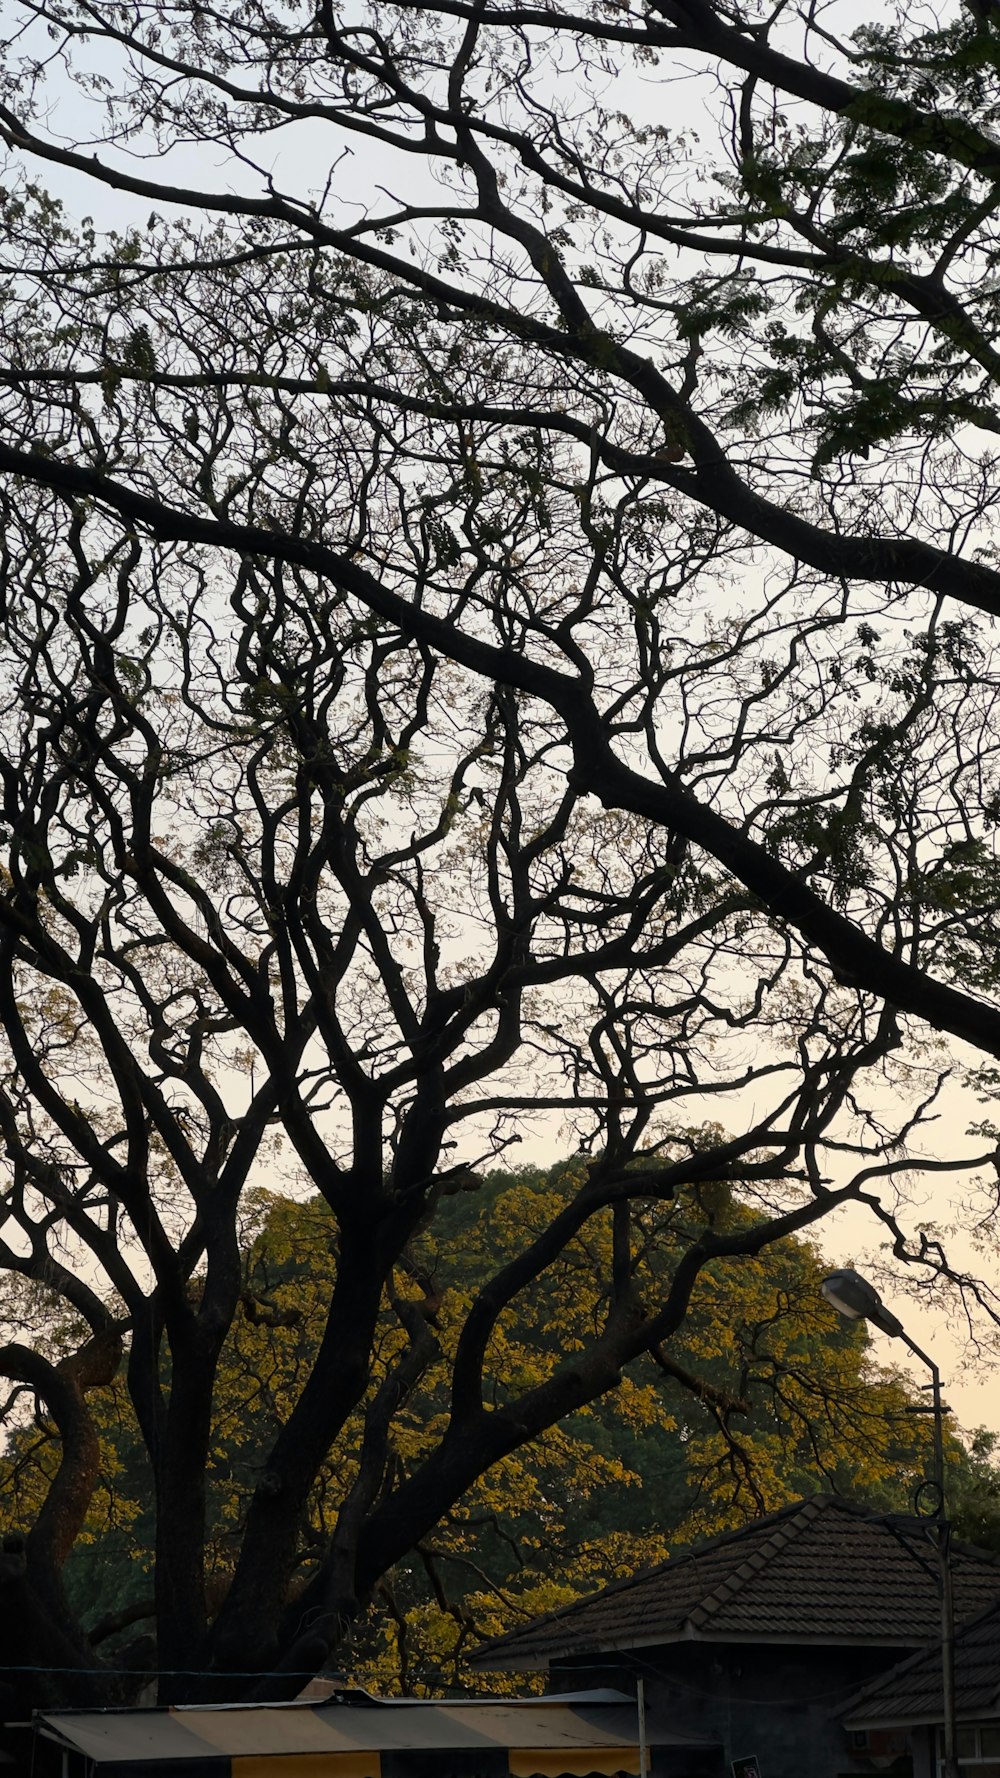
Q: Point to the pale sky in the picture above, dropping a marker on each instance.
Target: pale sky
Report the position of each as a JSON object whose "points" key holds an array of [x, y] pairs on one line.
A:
{"points": [[973, 1388]]}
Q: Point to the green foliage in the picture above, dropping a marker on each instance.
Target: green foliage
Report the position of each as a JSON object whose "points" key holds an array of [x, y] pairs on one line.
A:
{"points": [[974, 1491], [479, 643], [762, 1399]]}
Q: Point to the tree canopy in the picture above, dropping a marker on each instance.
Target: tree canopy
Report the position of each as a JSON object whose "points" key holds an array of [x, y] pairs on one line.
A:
{"points": [[496, 582], [782, 1404]]}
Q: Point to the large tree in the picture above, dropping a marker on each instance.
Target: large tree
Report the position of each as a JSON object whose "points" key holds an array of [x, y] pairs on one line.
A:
{"points": [[756, 1402], [496, 599]]}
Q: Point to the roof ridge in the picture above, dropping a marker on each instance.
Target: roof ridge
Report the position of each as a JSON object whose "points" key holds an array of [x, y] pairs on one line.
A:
{"points": [[734, 1564], [692, 1553], [782, 1535]]}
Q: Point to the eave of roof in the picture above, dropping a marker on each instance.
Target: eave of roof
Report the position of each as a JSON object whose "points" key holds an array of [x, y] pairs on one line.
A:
{"points": [[541, 1664]]}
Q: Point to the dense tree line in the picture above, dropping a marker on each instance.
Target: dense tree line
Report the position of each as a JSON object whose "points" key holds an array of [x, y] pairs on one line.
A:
{"points": [[757, 1402]]}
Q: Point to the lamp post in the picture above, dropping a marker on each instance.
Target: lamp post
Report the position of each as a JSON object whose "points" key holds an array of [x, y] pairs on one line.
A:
{"points": [[854, 1298]]}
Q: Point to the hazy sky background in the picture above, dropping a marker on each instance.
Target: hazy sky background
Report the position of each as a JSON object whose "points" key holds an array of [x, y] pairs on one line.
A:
{"points": [[297, 161]]}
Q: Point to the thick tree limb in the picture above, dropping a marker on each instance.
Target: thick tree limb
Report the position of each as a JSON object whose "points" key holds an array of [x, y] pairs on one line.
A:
{"points": [[855, 958]]}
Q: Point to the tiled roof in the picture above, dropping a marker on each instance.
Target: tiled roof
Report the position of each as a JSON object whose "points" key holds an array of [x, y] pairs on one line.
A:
{"points": [[822, 1570], [912, 1692]]}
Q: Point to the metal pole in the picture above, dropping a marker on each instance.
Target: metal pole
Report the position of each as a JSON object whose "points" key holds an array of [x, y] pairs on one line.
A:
{"points": [[942, 1540], [640, 1701], [943, 1529], [853, 1296]]}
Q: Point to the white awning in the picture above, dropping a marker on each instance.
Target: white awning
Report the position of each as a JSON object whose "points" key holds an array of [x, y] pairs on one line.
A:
{"points": [[545, 1736]]}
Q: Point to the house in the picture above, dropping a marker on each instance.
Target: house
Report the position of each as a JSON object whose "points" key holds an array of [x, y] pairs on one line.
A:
{"points": [[910, 1699], [574, 1734], [758, 1639]]}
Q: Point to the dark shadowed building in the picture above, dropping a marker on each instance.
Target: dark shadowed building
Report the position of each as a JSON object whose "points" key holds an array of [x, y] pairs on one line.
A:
{"points": [[910, 1699], [759, 1639]]}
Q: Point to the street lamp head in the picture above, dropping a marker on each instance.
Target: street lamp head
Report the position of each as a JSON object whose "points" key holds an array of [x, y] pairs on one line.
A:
{"points": [[853, 1297]]}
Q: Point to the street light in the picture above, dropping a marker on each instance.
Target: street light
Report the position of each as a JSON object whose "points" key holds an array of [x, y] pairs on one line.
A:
{"points": [[857, 1300], [853, 1297]]}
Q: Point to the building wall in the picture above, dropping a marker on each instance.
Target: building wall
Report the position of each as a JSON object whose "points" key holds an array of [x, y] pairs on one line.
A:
{"points": [[924, 1753], [781, 1703]]}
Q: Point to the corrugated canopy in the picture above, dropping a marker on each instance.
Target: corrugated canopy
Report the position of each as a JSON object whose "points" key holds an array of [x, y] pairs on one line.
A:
{"points": [[547, 1736]]}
